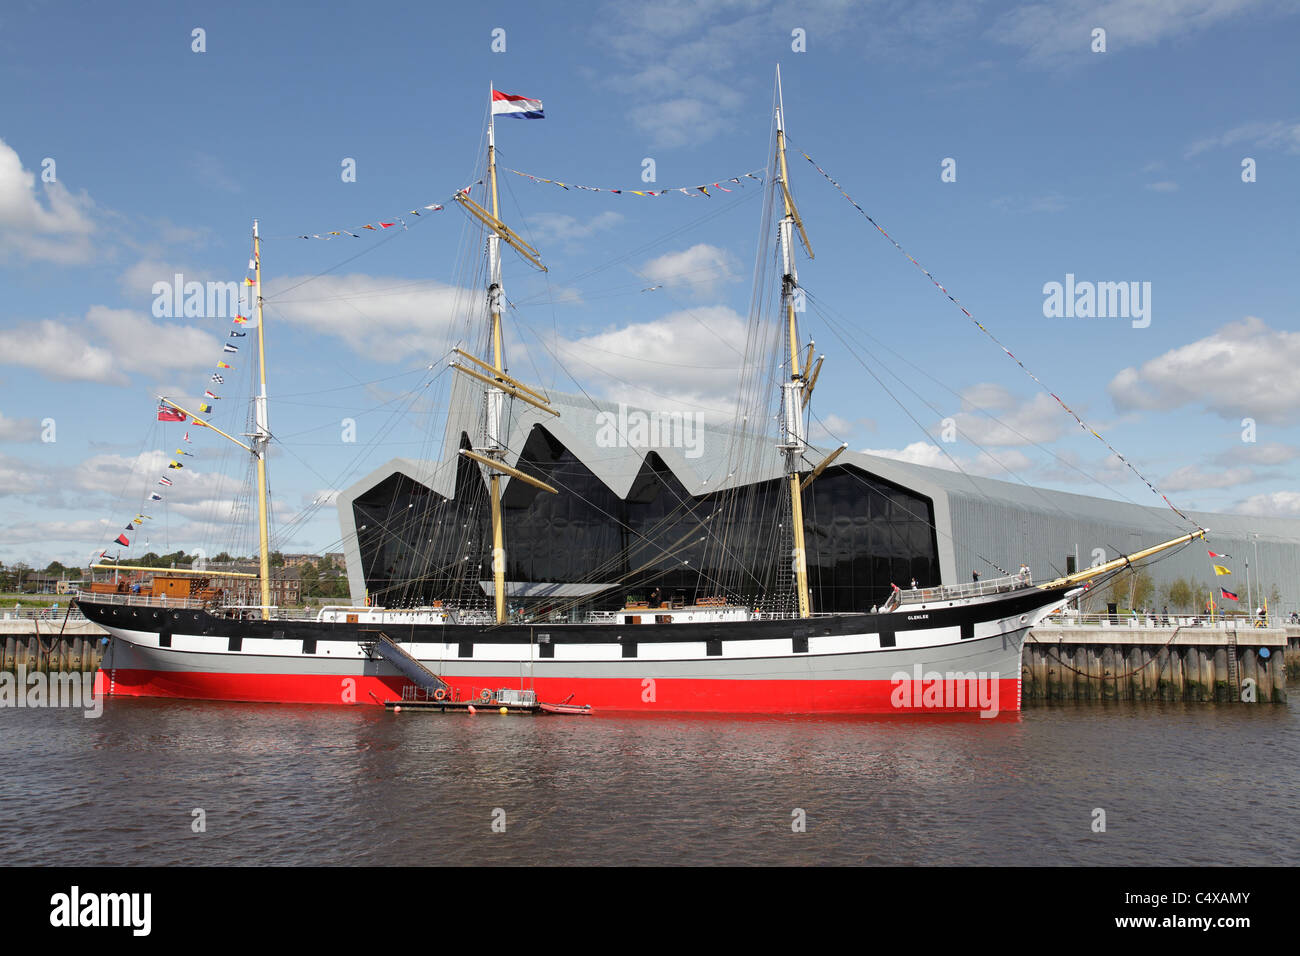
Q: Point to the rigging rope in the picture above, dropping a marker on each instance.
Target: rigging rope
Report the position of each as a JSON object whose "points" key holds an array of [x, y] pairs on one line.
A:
{"points": [[951, 298]]}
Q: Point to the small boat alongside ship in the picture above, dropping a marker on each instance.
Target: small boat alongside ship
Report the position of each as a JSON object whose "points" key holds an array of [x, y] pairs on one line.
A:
{"points": [[952, 648]]}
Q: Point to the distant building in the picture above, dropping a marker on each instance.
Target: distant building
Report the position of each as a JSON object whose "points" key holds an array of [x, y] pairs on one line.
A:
{"points": [[628, 519]]}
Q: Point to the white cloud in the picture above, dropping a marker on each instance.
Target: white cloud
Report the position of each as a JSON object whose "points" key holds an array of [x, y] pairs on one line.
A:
{"points": [[85, 532], [139, 279], [52, 228], [1278, 134], [58, 351], [18, 429], [688, 360], [190, 485], [1193, 477], [683, 60], [1271, 504], [548, 226], [917, 453], [1268, 453], [105, 346], [1036, 421], [383, 317], [702, 268], [18, 477], [1060, 32], [1244, 370], [1007, 464]]}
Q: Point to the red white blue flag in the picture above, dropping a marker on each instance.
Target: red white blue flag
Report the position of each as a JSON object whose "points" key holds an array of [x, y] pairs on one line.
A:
{"points": [[519, 107]]}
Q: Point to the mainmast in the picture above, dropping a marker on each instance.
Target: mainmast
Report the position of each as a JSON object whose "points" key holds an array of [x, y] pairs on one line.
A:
{"points": [[261, 434], [493, 451]]}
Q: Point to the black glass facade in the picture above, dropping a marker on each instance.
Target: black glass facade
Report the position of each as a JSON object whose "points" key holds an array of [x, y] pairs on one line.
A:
{"points": [[862, 534]]}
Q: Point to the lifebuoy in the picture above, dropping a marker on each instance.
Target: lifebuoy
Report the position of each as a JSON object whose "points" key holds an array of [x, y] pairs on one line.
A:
{"points": [[440, 694], [485, 696]]}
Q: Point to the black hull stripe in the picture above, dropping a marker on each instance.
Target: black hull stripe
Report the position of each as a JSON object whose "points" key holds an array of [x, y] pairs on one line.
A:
{"points": [[203, 623]]}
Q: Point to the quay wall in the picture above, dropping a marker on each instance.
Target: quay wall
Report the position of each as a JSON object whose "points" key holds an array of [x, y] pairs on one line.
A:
{"points": [[1207, 664]]}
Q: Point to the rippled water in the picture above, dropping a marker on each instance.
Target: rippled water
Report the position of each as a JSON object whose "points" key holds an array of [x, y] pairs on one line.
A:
{"points": [[1180, 784]]}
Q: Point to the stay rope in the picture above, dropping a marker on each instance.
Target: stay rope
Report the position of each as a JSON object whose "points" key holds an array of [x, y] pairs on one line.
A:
{"points": [[951, 298]]}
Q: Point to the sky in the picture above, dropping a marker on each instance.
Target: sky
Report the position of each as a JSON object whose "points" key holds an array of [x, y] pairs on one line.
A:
{"points": [[1005, 146]]}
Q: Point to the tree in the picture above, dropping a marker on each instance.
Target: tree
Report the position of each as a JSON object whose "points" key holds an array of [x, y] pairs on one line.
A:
{"points": [[310, 577], [1181, 593], [1143, 589], [277, 559]]}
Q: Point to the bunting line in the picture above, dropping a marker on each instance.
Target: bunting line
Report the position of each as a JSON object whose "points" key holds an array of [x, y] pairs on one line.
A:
{"points": [[951, 298], [380, 225], [684, 190]]}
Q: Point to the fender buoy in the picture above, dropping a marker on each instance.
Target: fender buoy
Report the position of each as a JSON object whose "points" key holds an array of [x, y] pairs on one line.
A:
{"points": [[440, 694], [485, 696]]}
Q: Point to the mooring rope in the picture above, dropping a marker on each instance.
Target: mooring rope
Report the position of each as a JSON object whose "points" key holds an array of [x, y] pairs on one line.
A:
{"points": [[938, 285], [1047, 648]]}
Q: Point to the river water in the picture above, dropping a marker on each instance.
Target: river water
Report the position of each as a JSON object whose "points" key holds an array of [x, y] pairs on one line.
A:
{"points": [[1179, 784]]}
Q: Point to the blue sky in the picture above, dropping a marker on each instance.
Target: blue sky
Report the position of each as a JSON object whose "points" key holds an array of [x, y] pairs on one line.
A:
{"points": [[1123, 165]]}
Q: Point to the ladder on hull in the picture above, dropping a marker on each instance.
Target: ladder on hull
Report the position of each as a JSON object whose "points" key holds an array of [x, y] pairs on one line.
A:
{"points": [[384, 646]]}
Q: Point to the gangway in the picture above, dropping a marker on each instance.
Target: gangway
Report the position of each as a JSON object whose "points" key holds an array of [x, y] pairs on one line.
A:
{"points": [[385, 647]]}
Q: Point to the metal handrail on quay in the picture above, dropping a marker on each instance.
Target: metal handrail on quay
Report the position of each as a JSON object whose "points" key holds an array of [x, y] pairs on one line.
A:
{"points": [[1127, 619], [946, 592]]}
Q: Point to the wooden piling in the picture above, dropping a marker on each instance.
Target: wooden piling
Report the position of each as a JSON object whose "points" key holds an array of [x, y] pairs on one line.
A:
{"points": [[1250, 671]]}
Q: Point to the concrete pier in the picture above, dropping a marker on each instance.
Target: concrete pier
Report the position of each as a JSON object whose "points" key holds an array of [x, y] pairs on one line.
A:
{"points": [[1175, 663], [38, 646]]}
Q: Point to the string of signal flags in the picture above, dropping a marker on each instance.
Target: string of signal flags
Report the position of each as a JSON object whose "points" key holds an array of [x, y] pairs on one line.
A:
{"points": [[726, 184]]}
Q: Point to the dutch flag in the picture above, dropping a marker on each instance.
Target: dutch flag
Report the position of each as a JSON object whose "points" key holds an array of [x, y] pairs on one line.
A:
{"points": [[519, 107]]}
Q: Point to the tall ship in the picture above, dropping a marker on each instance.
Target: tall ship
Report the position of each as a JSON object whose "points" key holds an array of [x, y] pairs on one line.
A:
{"points": [[753, 644]]}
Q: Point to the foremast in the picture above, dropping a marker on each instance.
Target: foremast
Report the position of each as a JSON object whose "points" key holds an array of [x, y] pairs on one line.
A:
{"points": [[493, 451], [260, 437]]}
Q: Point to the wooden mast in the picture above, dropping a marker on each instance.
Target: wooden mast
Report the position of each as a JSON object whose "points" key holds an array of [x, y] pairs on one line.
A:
{"points": [[493, 452], [261, 434], [495, 397], [260, 437], [499, 385], [794, 440]]}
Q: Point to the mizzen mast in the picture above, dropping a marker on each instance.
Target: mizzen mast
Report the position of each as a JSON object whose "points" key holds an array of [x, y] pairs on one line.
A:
{"points": [[261, 435], [795, 390]]}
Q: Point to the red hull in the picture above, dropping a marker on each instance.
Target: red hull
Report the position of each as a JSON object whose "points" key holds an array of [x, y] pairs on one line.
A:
{"points": [[602, 694]]}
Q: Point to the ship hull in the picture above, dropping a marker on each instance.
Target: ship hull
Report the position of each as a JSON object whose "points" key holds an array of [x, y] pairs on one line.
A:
{"points": [[940, 660]]}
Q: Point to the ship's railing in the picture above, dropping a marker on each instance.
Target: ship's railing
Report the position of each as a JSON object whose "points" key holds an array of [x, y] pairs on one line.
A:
{"points": [[141, 600], [949, 592], [192, 604]]}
